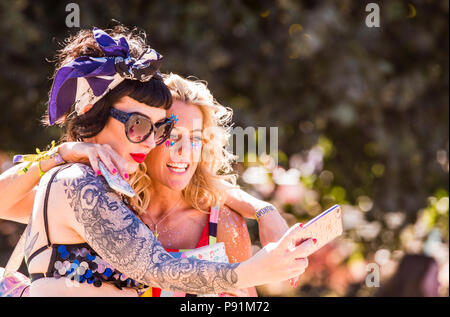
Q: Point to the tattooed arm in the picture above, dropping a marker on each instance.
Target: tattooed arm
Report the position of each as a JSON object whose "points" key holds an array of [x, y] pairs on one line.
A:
{"points": [[122, 240]]}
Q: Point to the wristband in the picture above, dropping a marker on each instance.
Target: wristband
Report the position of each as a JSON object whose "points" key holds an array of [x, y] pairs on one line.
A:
{"points": [[58, 158], [41, 173], [40, 156], [263, 211]]}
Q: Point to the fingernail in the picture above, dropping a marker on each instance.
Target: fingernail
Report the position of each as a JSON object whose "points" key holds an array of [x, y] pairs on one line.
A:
{"points": [[220, 294], [99, 172], [295, 284], [114, 171], [315, 240], [300, 225], [126, 175]]}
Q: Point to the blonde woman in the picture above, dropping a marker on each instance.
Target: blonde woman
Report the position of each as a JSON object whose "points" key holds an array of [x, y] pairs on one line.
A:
{"points": [[182, 191]]}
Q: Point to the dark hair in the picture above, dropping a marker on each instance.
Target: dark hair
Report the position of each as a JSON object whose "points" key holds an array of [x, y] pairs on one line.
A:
{"points": [[153, 92], [407, 280]]}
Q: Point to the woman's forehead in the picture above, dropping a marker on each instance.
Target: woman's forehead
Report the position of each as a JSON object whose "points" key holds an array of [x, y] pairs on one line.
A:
{"points": [[189, 116]]}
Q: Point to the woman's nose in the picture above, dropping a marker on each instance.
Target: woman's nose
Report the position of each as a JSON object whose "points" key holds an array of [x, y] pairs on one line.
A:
{"points": [[150, 141], [184, 150]]}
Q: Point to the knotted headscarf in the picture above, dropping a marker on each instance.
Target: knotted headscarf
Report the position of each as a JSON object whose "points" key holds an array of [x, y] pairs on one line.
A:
{"points": [[85, 80]]}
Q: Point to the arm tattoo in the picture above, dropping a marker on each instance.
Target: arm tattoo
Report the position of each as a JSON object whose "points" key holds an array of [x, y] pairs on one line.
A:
{"points": [[122, 240]]}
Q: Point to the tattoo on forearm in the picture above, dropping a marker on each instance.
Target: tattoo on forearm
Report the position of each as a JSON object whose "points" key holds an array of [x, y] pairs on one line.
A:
{"points": [[122, 240]]}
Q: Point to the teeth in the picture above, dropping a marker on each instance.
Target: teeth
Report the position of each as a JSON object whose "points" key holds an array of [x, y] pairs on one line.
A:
{"points": [[178, 170], [178, 165]]}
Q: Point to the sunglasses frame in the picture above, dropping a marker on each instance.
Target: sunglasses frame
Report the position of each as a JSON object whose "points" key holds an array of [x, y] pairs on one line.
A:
{"points": [[125, 116]]}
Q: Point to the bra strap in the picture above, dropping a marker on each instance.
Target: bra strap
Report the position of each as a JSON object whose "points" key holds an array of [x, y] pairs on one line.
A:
{"points": [[49, 243]]}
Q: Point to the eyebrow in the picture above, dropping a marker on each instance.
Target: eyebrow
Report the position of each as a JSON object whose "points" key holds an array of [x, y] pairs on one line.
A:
{"points": [[195, 130]]}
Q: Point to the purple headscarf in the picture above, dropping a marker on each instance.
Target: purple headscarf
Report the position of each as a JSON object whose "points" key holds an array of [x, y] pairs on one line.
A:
{"points": [[87, 79]]}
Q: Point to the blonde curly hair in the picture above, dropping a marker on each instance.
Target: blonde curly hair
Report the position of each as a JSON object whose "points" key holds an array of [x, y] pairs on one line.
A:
{"points": [[214, 172]]}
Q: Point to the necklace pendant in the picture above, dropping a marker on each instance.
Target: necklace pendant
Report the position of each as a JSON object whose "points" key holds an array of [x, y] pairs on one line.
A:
{"points": [[156, 233]]}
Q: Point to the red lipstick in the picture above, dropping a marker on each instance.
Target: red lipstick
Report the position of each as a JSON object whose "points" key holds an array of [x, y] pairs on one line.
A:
{"points": [[138, 157]]}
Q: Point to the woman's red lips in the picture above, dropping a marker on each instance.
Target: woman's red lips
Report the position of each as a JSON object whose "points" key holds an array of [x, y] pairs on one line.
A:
{"points": [[138, 157]]}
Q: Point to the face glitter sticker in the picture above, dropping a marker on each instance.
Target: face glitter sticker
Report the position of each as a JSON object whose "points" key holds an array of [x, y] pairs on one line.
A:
{"points": [[174, 118], [170, 143]]}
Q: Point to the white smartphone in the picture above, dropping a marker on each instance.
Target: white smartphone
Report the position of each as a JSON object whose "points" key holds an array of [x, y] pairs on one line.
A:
{"points": [[116, 182], [325, 227]]}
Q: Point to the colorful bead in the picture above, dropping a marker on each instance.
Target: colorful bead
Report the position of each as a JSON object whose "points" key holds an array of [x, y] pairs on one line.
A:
{"points": [[83, 252], [108, 272], [62, 271], [62, 249], [97, 283], [81, 270], [58, 265], [67, 265], [93, 266], [101, 268], [88, 274]]}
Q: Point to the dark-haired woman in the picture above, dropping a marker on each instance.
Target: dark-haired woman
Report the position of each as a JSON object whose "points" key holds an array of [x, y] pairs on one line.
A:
{"points": [[83, 239]]}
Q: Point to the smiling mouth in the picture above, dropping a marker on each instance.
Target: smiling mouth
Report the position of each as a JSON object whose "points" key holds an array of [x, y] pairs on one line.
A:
{"points": [[178, 167]]}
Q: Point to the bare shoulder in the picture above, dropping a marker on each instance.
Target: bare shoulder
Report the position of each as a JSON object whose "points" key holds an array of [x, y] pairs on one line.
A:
{"points": [[73, 171]]}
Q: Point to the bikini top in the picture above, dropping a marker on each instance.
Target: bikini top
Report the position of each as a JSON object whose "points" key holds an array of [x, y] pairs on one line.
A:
{"points": [[208, 237], [78, 262]]}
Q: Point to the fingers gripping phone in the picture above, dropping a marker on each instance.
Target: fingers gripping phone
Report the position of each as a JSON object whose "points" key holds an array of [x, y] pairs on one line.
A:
{"points": [[325, 227], [116, 182]]}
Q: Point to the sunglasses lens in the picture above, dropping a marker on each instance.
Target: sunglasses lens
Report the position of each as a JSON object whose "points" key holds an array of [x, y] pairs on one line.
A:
{"points": [[163, 129], [138, 128]]}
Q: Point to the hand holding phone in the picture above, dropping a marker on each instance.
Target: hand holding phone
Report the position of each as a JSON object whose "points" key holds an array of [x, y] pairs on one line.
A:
{"points": [[325, 227], [116, 182]]}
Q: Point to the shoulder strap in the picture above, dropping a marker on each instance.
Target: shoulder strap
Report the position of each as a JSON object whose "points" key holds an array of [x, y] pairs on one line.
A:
{"points": [[47, 193], [18, 252]]}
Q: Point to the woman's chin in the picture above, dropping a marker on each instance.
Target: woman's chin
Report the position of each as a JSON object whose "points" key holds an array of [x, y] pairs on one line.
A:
{"points": [[132, 167], [177, 185]]}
